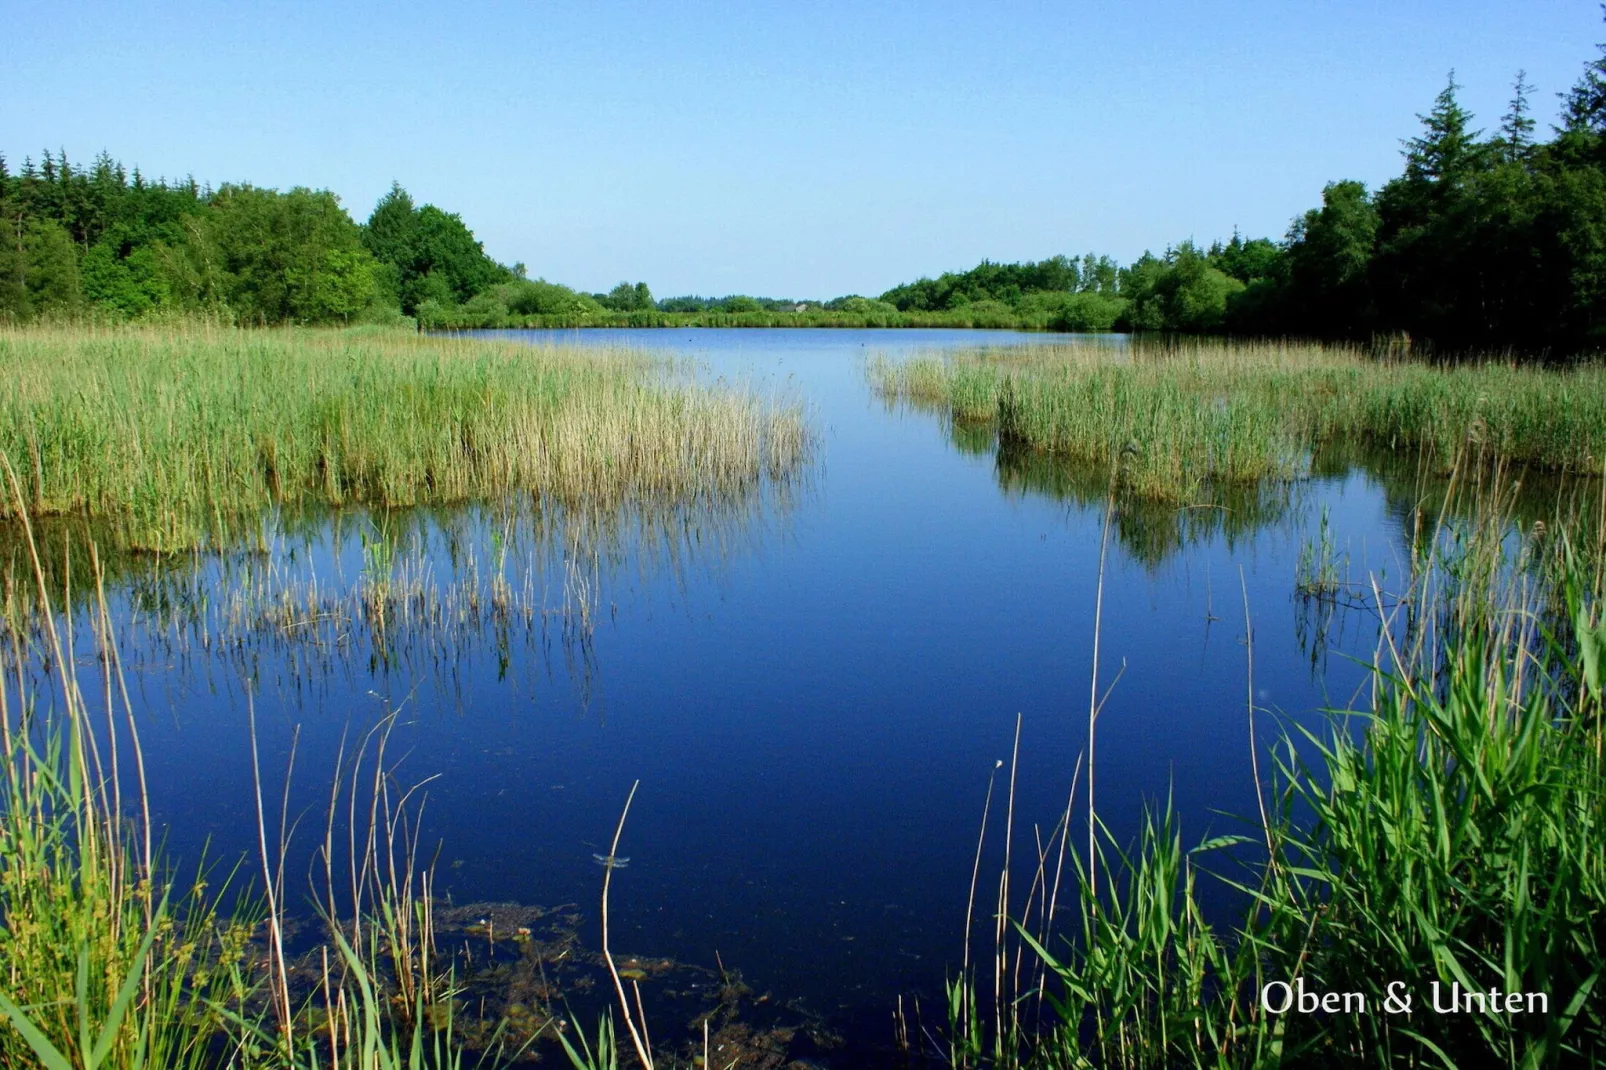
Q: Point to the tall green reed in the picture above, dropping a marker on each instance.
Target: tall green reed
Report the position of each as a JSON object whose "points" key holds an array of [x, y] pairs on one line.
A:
{"points": [[111, 962], [108, 961], [1449, 831]]}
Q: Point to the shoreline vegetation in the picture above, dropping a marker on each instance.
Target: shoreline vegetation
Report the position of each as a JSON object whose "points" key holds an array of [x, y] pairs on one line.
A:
{"points": [[1482, 242], [201, 438], [987, 315], [1185, 414], [1444, 831], [176, 438]]}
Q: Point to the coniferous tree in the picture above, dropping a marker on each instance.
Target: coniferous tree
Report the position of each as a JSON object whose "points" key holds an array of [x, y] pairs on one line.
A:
{"points": [[1446, 151], [13, 293], [1584, 105], [1517, 125], [391, 231], [1416, 273]]}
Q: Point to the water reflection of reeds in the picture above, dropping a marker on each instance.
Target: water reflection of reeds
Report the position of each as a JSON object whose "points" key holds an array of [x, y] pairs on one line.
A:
{"points": [[1151, 531], [1174, 483], [1410, 837], [426, 591]]}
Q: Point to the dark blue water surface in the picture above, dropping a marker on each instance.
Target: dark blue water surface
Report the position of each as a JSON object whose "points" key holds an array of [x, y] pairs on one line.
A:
{"points": [[813, 697]]}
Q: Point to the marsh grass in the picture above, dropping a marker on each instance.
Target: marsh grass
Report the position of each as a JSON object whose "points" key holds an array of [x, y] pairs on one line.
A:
{"points": [[190, 436], [1186, 414], [105, 966], [1322, 572], [226, 988], [112, 962], [1449, 829]]}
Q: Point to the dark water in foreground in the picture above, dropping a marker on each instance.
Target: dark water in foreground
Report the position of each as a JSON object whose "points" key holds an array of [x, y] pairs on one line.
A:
{"points": [[813, 702]]}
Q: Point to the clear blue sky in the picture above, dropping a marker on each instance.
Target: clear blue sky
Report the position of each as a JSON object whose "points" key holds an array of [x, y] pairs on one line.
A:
{"points": [[797, 149]]}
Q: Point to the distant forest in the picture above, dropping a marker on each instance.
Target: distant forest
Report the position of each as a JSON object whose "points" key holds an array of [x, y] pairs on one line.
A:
{"points": [[1482, 242]]}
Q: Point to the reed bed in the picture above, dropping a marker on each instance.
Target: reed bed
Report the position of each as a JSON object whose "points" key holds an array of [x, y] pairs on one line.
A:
{"points": [[1180, 415], [188, 436]]}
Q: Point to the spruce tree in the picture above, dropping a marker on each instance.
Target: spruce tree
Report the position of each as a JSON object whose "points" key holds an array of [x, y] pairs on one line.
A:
{"points": [[1446, 150], [1584, 105], [1517, 126], [391, 231]]}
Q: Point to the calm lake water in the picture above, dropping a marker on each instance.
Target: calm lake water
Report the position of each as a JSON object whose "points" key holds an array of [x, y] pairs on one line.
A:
{"points": [[813, 694]]}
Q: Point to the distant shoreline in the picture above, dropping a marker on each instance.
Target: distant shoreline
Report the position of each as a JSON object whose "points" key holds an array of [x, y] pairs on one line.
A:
{"points": [[764, 320]]}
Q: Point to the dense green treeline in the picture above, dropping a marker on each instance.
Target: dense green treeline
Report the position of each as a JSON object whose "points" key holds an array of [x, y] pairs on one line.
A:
{"points": [[859, 313], [100, 242], [96, 240], [1481, 242], [1057, 293]]}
